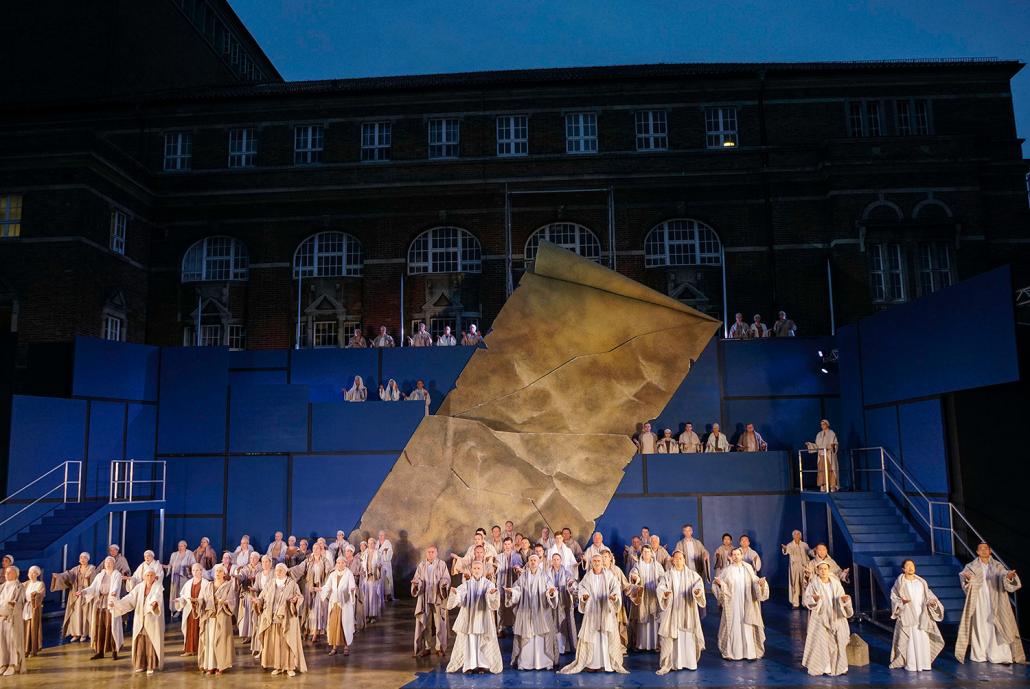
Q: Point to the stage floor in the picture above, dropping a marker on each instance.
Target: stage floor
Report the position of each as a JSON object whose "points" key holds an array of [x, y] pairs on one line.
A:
{"points": [[381, 657]]}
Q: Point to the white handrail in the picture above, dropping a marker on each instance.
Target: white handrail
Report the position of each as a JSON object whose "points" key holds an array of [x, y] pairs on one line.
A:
{"points": [[66, 480], [824, 457], [63, 465], [122, 489]]}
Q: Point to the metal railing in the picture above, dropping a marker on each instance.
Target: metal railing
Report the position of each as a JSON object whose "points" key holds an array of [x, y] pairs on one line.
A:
{"points": [[128, 475], [823, 457], [68, 482]]}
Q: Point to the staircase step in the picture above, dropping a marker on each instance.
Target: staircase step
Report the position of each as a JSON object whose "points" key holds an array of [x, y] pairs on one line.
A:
{"points": [[873, 511], [869, 520], [856, 529], [859, 496], [885, 538], [886, 548], [920, 560]]}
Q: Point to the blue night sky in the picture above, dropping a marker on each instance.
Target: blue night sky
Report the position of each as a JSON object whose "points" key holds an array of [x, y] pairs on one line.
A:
{"points": [[321, 39]]}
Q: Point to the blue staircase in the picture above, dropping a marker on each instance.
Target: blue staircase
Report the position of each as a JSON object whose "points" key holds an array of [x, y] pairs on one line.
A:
{"points": [[35, 541]]}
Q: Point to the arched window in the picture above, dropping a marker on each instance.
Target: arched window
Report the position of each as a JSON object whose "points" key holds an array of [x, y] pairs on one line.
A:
{"points": [[567, 235], [328, 255], [215, 258], [682, 242], [444, 250]]}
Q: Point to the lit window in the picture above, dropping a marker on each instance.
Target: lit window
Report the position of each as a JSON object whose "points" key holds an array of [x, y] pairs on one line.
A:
{"points": [[886, 274], [215, 258], [682, 243], [576, 238], [934, 267], [328, 254], [178, 151], [308, 144], [581, 132], [444, 250], [10, 215], [325, 334], [652, 130], [237, 337], [443, 138], [721, 128], [119, 221], [512, 135], [112, 328], [242, 147], [376, 139]]}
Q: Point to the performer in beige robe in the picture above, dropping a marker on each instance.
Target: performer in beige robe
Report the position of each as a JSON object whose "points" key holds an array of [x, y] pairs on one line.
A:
{"points": [[390, 392], [694, 553], [741, 329], [282, 649], [826, 640], [572, 543], [32, 615], [421, 338], [357, 340], [689, 441], [339, 590], [313, 573], [681, 597], [179, 567], [668, 445], [150, 562], [420, 394], [447, 339], [146, 603], [241, 556], [596, 547], [722, 553], [430, 587], [751, 440], [749, 554], [740, 592], [354, 565], [916, 612], [643, 593], [385, 548], [988, 626], [826, 443], [475, 637], [646, 441], [121, 565], [797, 576], [372, 582], [216, 650], [277, 548], [630, 554], [758, 328], [205, 554], [106, 625], [194, 594], [608, 562], [534, 599], [383, 339], [12, 624], [357, 391], [243, 578], [262, 580], [661, 555], [478, 541], [820, 555], [472, 338], [599, 598], [563, 613], [78, 611], [717, 440]]}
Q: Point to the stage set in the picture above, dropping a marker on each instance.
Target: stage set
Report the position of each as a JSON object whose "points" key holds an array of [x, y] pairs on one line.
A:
{"points": [[157, 445]]}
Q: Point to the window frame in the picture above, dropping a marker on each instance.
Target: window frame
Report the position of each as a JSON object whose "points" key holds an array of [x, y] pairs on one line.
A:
{"points": [[578, 139], [211, 335], [647, 120], [112, 323], [118, 231], [314, 146], [699, 246], [378, 151], [431, 258], [333, 324], [237, 332], [929, 270], [585, 238], [238, 261], [518, 146], [444, 148], [351, 256], [859, 122], [880, 277], [722, 127], [179, 156], [246, 155]]}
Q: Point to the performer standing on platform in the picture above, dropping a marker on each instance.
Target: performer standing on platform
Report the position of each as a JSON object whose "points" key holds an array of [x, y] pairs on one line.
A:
{"points": [[987, 617], [689, 442], [740, 330], [599, 598], [472, 338], [643, 593], [215, 651], [190, 603], [180, 565], [475, 641], [357, 391], [12, 626], [740, 592], [826, 642], [340, 590], [533, 597], [282, 648], [797, 552], [420, 394], [383, 339], [916, 612], [717, 441], [646, 441], [422, 338], [78, 611], [35, 591], [447, 339], [429, 587], [668, 445], [357, 340], [146, 602], [106, 629], [385, 548], [681, 596], [751, 440], [390, 393], [826, 443], [694, 553]]}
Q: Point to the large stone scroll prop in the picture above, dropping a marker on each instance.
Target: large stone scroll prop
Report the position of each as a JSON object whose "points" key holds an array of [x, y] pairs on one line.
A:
{"points": [[537, 429]]}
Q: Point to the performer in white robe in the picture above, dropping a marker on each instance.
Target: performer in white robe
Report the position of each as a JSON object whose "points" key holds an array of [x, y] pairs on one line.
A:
{"points": [[608, 563], [668, 445], [916, 612], [447, 339], [372, 582], [420, 394], [430, 587], [568, 558], [717, 440], [357, 391], [599, 598], [797, 552], [314, 571], [340, 590], [35, 592], [534, 599], [383, 339], [689, 441], [106, 626], [475, 637], [643, 593], [564, 611], [385, 548], [282, 649], [681, 596], [740, 592], [694, 553], [596, 547], [178, 569], [193, 596], [751, 440], [241, 556], [741, 329], [146, 602], [277, 548], [646, 441], [78, 611], [988, 626], [826, 443], [149, 562], [826, 640], [12, 625], [390, 393], [472, 338]]}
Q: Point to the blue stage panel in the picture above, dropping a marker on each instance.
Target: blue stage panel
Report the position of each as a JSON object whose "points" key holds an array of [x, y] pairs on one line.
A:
{"points": [[850, 428], [633, 480], [363, 426], [269, 418], [321, 512], [438, 367], [922, 444], [194, 387], [191, 530], [776, 366], [625, 516], [881, 426], [106, 432], [139, 438], [697, 398], [250, 477], [45, 431], [734, 472], [766, 519], [329, 371], [239, 378], [786, 424], [195, 485], [114, 369], [260, 358]]}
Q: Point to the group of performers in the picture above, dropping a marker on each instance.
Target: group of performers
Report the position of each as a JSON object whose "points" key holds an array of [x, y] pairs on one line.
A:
{"points": [[552, 595]]}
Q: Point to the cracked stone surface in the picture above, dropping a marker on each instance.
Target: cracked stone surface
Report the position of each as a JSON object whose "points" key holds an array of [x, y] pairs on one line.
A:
{"points": [[537, 429]]}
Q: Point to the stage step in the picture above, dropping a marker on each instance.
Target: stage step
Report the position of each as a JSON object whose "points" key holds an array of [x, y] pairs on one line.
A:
{"points": [[32, 540]]}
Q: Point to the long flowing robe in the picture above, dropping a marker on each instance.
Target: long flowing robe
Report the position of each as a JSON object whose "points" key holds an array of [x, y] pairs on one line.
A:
{"points": [[751, 442], [506, 576], [314, 570], [826, 641], [372, 584], [339, 591], [797, 575], [279, 627], [593, 550], [359, 598], [78, 611], [696, 556], [422, 339], [917, 640], [12, 626], [741, 628], [644, 596], [565, 609], [205, 555], [689, 442], [751, 557], [385, 550], [277, 551], [681, 597], [430, 586], [622, 613], [667, 446], [647, 443], [475, 635], [106, 626], [216, 648], [192, 612], [32, 615], [243, 579], [148, 624], [988, 626], [827, 441], [261, 581], [717, 442], [722, 558], [534, 598], [356, 394], [180, 566], [599, 646], [815, 561], [137, 575]]}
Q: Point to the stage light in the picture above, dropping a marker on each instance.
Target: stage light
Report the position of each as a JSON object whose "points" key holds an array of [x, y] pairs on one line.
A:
{"points": [[820, 354], [828, 360], [824, 370], [729, 144]]}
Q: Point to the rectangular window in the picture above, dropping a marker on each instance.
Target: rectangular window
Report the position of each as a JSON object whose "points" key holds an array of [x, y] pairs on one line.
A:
{"points": [[652, 130], [242, 147], [237, 337], [119, 221], [872, 114], [865, 118], [325, 334], [112, 328], [855, 119], [308, 144], [178, 151], [376, 139], [721, 128], [10, 215], [581, 132], [886, 274], [921, 117], [211, 335], [436, 326], [512, 135], [903, 117], [443, 138], [934, 267]]}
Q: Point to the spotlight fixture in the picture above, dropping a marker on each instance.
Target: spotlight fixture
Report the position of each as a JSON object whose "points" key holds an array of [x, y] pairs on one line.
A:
{"points": [[828, 361]]}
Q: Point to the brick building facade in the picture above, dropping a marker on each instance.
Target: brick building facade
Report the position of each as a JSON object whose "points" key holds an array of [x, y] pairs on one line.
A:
{"points": [[236, 200]]}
